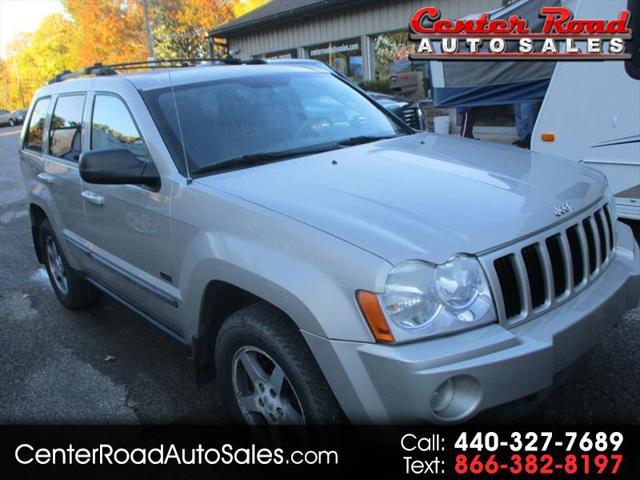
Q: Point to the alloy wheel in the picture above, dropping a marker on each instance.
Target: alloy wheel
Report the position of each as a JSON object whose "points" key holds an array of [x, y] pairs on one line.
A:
{"points": [[263, 391], [56, 266]]}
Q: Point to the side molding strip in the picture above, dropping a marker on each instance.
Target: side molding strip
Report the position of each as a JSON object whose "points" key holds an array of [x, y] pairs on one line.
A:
{"points": [[138, 282], [133, 308]]}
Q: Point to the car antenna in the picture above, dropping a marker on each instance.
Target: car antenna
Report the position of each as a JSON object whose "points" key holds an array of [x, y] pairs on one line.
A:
{"points": [[184, 150]]}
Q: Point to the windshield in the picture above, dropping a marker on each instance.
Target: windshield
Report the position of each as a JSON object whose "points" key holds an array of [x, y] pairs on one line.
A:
{"points": [[226, 122]]}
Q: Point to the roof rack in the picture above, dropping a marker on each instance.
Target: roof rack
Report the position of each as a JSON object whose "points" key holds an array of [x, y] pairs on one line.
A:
{"points": [[100, 70]]}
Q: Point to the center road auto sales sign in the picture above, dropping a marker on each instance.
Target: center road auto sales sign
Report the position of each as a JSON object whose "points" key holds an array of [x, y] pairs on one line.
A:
{"points": [[561, 37]]}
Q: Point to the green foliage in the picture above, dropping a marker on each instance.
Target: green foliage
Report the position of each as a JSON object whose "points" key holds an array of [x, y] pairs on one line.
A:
{"points": [[180, 26]]}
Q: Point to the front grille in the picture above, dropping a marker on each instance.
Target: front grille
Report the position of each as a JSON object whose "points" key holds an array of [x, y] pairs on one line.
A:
{"points": [[411, 117], [532, 278]]}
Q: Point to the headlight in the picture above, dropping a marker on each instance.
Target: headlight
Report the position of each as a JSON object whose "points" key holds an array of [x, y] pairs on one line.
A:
{"points": [[426, 300], [409, 297], [459, 282]]}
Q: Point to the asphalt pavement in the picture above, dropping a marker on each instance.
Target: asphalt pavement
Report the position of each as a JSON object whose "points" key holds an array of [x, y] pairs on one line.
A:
{"points": [[107, 365]]}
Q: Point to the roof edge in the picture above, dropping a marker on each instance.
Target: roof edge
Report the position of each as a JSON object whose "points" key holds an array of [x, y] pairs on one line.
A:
{"points": [[304, 11]]}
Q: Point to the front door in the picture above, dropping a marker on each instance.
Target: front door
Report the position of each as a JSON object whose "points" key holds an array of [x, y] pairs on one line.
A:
{"points": [[129, 225]]}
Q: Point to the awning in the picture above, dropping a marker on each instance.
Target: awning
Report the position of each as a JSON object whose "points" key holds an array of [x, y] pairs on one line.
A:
{"points": [[483, 83]]}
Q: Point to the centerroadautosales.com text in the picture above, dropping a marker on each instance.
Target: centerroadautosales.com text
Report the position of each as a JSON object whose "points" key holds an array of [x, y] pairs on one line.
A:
{"points": [[105, 454]]}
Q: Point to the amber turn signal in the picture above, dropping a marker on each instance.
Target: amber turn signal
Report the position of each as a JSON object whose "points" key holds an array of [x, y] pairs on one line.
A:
{"points": [[374, 316], [548, 137]]}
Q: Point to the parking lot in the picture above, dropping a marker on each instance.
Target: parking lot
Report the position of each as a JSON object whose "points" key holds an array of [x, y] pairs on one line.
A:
{"points": [[106, 365]]}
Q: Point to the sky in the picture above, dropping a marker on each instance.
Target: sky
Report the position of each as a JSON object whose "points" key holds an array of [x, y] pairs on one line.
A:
{"points": [[23, 16]]}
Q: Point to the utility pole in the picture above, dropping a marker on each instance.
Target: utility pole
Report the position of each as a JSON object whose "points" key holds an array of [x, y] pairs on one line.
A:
{"points": [[147, 24]]}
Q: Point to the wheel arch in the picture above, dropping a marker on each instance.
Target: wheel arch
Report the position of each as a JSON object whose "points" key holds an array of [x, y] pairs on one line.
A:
{"points": [[37, 215], [219, 300]]}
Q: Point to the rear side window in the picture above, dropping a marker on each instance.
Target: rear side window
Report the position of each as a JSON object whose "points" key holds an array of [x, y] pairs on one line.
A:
{"points": [[113, 127], [35, 132], [66, 127]]}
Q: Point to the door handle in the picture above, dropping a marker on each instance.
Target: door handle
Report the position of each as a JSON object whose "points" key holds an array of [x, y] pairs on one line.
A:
{"points": [[45, 178], [93, 197]]}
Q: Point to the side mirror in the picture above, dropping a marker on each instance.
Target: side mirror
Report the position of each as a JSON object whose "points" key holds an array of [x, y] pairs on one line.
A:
{"points": [[117, 167]]}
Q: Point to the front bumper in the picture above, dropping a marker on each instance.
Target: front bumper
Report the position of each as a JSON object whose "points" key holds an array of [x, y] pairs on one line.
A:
{"points": [[491, 366]]}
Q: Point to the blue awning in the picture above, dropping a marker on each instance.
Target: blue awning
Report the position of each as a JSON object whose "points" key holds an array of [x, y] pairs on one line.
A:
{"points": [[482, 96]]}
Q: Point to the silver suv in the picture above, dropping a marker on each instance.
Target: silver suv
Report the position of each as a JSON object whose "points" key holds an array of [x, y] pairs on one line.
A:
{"points": [[322, 259]]}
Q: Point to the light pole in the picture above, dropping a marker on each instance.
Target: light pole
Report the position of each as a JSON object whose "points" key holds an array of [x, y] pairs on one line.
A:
{"points": [[147, 24]]}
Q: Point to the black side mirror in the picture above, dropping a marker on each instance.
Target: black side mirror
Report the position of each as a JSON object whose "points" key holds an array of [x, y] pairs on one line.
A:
{"points": [[117, 166]]}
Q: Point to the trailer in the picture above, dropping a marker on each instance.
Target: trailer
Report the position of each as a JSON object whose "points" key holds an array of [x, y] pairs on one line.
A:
{"points": [[591, 111]]}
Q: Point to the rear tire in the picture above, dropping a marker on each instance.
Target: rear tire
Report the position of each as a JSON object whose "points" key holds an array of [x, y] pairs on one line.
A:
{"points": [[263, 338], [73, 291]]}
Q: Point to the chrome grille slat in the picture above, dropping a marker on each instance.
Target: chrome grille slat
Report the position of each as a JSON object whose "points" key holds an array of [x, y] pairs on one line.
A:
{"points": [[548, 274], [498, 297], [542, 266], [523, 284], [596, 242], [603, 224], [568, 260], [582, 238], [410, 117], [612, 231]]}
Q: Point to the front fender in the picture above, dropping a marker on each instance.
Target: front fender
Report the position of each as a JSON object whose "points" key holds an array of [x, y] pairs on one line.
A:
{"points": [[316, 293]]}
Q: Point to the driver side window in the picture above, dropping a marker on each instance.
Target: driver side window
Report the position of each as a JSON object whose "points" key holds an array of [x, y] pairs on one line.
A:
{"points": [[113, 127]]}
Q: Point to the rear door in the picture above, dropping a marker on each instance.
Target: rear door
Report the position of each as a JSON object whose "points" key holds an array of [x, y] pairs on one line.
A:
{"points": [[33, 142], [129, 225], [61, 172]]}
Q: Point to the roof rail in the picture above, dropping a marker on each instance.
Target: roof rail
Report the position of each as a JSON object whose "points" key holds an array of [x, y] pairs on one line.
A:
{"points": [[100, 70]]}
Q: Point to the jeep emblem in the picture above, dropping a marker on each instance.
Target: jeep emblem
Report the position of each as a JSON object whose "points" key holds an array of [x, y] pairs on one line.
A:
{"points": [[563, 209]]}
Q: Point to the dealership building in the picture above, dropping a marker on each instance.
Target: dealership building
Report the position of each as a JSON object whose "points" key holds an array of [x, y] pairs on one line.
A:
{"points": [[360, 38]]}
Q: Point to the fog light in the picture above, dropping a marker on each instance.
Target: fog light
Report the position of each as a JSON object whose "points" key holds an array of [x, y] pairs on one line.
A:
{"points": [[442, 396], [456, 398]]}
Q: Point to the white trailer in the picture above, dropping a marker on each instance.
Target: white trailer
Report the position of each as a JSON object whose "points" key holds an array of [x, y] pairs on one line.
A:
{"points": [[591, 112]]}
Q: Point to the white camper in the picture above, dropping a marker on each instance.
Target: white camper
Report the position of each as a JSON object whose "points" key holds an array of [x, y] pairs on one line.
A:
{"points": [[591, 112]]}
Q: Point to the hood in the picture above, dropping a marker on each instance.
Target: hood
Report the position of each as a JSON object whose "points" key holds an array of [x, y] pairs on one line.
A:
{"points": [[387, 97], [421, 196], [389, 101]]}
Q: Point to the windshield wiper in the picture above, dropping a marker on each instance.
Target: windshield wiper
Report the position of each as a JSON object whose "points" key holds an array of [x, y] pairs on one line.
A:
{"points": [[255, 159], [362, 139]]}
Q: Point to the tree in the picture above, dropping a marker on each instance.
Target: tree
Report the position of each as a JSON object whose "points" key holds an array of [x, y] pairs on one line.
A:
{"points": [[49, 52], [5, 79], [107, 31], [180, 26], [33, 59], [240, 7]]}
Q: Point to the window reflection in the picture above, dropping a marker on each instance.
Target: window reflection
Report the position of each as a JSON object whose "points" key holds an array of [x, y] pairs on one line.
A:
{"points": [[112, 127], [66, 127], [35, 134]]}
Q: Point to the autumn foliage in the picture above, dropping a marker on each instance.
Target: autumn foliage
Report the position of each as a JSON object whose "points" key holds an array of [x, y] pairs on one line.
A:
{"points": [[109, 31]]}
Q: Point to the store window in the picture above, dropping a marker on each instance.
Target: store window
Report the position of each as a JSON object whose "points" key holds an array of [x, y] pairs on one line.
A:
{"points": [[344, 55], [389, 48], [281, 55], [393, 71]]}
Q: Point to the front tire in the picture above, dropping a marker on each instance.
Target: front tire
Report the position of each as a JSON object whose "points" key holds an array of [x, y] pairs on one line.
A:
{"points": [[73, 291], [268, 375]]}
